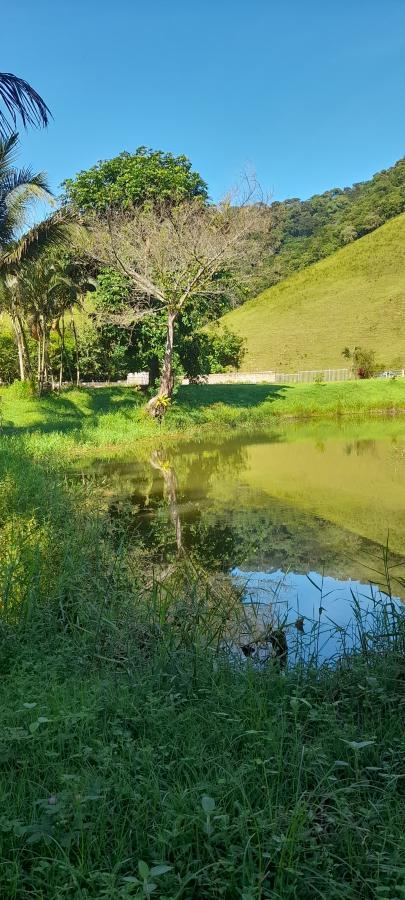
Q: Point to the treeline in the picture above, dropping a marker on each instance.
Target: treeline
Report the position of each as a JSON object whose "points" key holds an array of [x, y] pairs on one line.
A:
{"points": [[156, 266], [304, 231], [136, 264]]}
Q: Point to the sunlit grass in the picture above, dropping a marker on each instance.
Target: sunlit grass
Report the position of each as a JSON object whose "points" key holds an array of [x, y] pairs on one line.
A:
{"points": [[115, 419]]}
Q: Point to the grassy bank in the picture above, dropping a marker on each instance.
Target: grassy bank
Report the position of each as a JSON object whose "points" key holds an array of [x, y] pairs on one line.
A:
{"points": [[115, 417], [128, 741]]}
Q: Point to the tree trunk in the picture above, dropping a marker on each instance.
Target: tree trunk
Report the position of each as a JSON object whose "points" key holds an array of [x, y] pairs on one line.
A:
{"points": [[77, 349], [23, 354], [28, 366], [20, 347], [62, 350], [43, 356], [157, 405], [39, 358]]}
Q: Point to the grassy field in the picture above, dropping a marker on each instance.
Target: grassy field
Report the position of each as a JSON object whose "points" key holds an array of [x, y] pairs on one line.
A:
{"points": [[113, 418], [133, 753], [355, 297]]}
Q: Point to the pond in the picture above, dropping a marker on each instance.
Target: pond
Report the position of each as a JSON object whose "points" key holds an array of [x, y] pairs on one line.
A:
{"points": [[299, 518]]}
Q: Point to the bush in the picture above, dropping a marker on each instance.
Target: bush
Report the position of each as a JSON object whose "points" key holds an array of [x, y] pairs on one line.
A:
{"points": [[363, 361], [9, 370]]}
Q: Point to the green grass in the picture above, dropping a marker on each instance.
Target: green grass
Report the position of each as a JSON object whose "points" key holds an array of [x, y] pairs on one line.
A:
{"points": [[114, 419], [126, 736], [355, 297]]}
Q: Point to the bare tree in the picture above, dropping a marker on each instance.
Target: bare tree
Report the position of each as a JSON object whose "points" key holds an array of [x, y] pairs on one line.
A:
{"points": [[173, 256]]}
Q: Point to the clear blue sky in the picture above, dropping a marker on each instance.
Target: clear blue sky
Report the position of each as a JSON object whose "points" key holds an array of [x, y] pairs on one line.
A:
{"points": [[309, 94]]}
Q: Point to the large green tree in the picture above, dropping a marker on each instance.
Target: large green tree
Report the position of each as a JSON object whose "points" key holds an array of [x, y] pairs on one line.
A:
{"points": [[131, 179]]}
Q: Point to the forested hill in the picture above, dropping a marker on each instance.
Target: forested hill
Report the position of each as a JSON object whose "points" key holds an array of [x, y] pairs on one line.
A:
{"points": [[304, 231]]}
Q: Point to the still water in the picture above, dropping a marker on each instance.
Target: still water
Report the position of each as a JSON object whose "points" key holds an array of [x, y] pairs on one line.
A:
{"points": [[299, 518]]}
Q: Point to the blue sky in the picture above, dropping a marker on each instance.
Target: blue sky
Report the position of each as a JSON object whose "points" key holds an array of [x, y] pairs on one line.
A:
{"points": [[308, 94]]}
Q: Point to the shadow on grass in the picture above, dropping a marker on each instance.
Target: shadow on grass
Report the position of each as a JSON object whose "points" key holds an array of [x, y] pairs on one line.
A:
{"points": [[237, 395], [70, 411], [73, 411]]}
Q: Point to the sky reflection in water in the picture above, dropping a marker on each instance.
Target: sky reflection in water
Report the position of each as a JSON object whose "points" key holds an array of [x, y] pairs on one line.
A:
{"points": [[323, 600]]}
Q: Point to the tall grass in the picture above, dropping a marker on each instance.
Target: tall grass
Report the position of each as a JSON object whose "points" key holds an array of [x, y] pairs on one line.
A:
{"points": [[134, 752]]}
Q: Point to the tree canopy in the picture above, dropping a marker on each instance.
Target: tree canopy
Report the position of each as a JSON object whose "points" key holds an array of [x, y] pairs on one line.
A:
{"points": [[131, 179]]}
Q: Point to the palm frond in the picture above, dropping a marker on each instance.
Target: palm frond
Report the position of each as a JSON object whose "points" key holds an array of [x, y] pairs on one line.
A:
{"points": [[8, 147], [52, 231], [16, 179], [19, 188], [20, 101], [15, 203]]}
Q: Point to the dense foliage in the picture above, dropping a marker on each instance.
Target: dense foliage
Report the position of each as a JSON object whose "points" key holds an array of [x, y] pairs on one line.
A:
{"points": [[108, 351], [133, 178], [82, 336], [304, 231], [8, 358], [363, 361]]}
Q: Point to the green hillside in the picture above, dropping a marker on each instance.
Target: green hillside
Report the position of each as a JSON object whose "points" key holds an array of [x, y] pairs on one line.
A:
{"points": [[354, 297], [304, 231]]}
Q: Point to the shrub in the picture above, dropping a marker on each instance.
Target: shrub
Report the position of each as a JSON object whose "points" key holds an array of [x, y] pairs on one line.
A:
{"points": [[363, 361], [8, 359]]}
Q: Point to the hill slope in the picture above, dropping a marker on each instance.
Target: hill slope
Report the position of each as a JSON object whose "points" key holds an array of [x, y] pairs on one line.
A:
{"points": [[304, 231], [354, 297]]}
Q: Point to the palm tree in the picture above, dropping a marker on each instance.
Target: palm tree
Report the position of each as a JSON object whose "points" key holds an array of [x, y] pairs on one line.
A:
{"points": [[19, 188], [10, 302], [20, 100], [38, 289]]}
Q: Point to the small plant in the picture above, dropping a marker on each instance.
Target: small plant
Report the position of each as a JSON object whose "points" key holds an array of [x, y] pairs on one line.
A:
{"points": [[145, 882], [159, 405], [208, 805]]}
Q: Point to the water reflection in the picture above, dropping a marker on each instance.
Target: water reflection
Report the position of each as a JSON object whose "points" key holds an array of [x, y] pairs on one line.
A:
{"points": [[319, 613], [159, 462], [273, 510]]}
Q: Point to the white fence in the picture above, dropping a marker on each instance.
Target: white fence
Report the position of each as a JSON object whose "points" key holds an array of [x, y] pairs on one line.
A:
{"points": [[138, 378], [276, 377]]}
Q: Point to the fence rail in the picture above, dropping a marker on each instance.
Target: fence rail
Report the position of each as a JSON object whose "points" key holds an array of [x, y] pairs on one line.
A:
{"points": [[276, 377], [306, 376]]}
